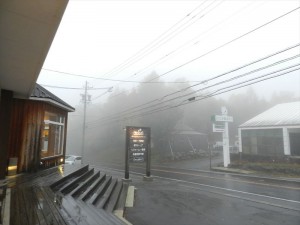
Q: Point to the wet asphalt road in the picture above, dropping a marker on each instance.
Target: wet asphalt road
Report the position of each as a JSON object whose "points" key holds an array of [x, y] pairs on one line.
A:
{"points": [[180, 196]]}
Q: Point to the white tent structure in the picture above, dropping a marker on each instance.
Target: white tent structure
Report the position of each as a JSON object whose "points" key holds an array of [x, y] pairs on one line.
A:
{"points": [[275, 132]]}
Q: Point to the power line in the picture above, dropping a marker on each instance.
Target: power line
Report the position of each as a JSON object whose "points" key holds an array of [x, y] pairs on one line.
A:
{"points": [[109, 90], [227, 43], [268, 74], [147, 52], [114, 80], [223, 45], [223, 82], [129, 81], [75, 88], [217, 92], [220, 75], [184, 64], [182, 46], [155, 42], [186, 43]]}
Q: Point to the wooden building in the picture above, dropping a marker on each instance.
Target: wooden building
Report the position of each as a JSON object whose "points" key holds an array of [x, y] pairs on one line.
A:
{"points": [[38, 126], [27, 30]]}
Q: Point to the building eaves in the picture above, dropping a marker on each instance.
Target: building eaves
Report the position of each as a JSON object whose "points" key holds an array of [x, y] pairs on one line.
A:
{"points": [[41, 94]]}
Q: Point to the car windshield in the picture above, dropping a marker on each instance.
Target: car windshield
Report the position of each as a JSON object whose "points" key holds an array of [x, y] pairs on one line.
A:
{"points": [[70, 158]]}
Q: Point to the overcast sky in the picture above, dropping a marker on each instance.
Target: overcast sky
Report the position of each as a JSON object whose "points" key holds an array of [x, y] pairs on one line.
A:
{"points": [[127, 40]]}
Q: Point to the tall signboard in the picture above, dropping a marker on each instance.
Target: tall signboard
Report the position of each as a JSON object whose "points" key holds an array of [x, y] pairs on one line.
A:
{"points": [[137, 147], [220, 124]]}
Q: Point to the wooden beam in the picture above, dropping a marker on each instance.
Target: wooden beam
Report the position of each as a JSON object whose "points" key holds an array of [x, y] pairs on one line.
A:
{"points": [[5, 117]]}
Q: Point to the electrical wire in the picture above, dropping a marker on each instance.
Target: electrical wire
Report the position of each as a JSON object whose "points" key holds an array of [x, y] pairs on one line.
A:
{"points": [[156, 43], [219, 76], [223, 82], [75, 88], [194, 41], [184, 64], [227, 43], [168, 39], [223, 45], [217, 92], [163, 58], [116, 80]]}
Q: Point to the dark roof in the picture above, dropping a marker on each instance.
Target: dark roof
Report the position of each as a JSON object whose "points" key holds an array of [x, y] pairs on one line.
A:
{"points": [[181, 128], [44, 94]]}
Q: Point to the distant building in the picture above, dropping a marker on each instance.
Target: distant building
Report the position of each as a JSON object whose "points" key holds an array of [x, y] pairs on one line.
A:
{"points": [[185, 140], [275, 132]]}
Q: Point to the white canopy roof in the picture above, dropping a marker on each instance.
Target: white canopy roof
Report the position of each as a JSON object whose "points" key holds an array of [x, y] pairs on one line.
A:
{"points": [[286, 114]]}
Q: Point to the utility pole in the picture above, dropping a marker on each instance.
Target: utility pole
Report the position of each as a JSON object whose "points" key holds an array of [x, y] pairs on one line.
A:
{"points": [[85, 99]]}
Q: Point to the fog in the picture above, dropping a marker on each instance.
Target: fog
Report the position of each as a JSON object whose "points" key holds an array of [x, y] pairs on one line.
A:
{"points": [[166, 64], [160, 107]]}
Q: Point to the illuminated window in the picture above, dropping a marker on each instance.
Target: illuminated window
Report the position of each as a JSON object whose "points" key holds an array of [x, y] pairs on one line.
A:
{"points": [[53, 135]]}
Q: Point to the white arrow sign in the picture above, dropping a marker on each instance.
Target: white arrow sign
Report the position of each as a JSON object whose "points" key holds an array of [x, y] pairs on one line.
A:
{"points": [[223, 118], [218, 127]]}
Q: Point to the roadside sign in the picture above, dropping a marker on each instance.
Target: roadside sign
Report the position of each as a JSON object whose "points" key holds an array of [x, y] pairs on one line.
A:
{"points": [[222, 118], [138, 143], [218, 127], [137, 148], [220, 124]]}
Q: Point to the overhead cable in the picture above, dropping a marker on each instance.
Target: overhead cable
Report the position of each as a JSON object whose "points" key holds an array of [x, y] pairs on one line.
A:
{"points": [[217, 92], [231, 79], [216, 77]]}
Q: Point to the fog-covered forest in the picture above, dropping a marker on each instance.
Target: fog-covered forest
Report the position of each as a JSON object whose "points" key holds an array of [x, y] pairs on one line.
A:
{"points": [[145, 106]]}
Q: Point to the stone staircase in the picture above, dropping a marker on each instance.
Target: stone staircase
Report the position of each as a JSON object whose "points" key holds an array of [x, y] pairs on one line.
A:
{"points": [[89, 196]]}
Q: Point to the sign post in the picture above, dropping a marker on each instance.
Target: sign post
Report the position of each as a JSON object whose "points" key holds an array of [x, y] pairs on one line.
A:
{"points": [[126, 155], [222, 127], [137, 148]]}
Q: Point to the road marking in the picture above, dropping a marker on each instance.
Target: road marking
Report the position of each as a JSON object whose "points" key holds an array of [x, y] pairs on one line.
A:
{"points": [[220, 178], [227, 189], [222, 173], [244, 198], [234, 174], [130, 197], [210, 186]]}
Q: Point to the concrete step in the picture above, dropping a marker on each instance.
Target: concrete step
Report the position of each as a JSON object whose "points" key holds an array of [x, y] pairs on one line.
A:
{"points": [[115, 196], [100, 191], [122, 199], [91, 190], [82, 213], [106, 195], [61, 182], [84, 186], [75, 183], [86, 193]]}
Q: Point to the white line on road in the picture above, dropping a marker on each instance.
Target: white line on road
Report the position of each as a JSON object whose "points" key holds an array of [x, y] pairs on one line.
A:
{"points": [[227, 189], [220, 188], [244, 198]]}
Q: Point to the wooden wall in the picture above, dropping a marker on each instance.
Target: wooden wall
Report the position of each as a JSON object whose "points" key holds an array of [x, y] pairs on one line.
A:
{"points": [[26, 128]]}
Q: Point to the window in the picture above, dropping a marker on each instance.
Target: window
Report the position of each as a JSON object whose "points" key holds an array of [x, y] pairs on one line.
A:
{"points": [[53, 135]]}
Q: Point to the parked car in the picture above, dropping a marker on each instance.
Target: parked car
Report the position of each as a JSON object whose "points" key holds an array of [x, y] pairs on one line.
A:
{"points": [[72, 159]]}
